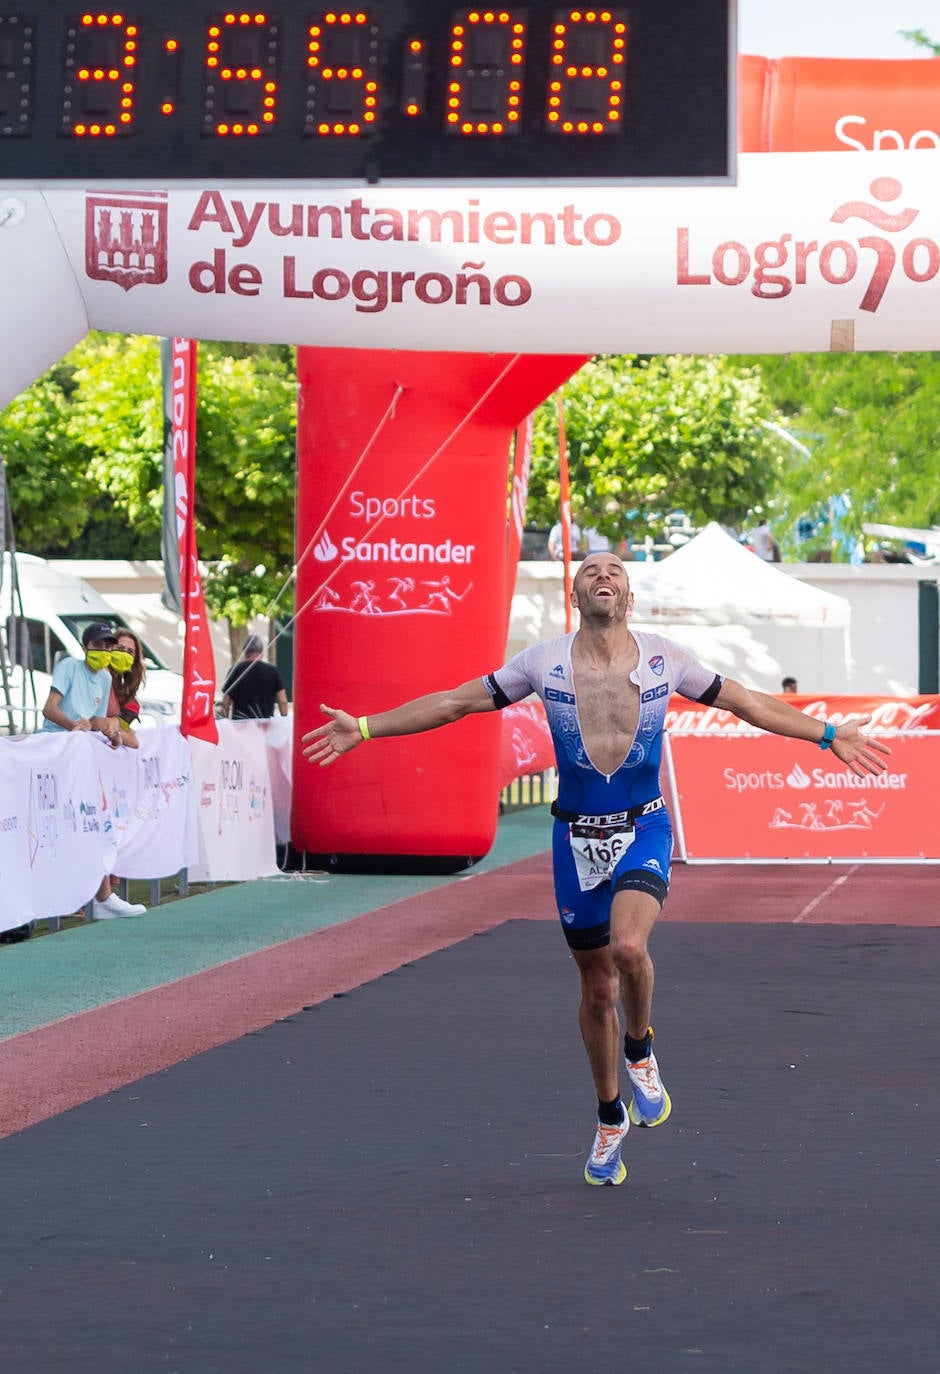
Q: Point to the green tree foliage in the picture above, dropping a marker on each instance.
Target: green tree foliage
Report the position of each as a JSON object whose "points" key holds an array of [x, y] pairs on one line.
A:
{"points": [[48, 477], [646, 436], [871, 423], [84, 450]]}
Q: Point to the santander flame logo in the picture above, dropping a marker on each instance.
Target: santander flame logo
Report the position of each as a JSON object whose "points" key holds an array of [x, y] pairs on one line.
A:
{"points": [[774, 267], [798, 778]]}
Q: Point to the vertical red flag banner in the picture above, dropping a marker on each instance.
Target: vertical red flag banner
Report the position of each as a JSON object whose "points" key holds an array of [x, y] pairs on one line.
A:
{"points": [[565, 496], [518, 498], [198, 713]]}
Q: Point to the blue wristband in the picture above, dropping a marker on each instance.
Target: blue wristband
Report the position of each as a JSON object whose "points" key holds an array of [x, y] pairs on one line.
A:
{"points": [[829, 734]]}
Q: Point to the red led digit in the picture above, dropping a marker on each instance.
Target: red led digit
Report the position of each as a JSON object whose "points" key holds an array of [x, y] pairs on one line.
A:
{"points": [[342, 96], [100, 85], [414, 78], [486, 59], [241, 80], [587, 70], [168, 76]]}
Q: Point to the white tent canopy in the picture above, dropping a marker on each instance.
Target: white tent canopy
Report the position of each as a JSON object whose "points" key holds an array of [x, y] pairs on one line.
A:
{"points": [[714, 580]]}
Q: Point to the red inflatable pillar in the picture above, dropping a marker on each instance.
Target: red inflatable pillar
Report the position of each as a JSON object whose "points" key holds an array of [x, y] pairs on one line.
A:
{"points": [[401, 530]]}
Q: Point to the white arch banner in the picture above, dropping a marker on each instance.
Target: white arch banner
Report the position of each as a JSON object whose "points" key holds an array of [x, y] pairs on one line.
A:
{"points": [[804, 242]]}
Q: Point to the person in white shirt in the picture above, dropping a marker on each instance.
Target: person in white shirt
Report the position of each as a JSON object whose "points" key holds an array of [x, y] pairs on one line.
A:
{"points": [[556, 547]]}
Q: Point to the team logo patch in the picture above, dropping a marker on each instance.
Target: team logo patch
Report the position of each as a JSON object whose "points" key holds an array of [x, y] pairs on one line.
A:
{"points": [[557, 671], [658, 665], [567, 916]]}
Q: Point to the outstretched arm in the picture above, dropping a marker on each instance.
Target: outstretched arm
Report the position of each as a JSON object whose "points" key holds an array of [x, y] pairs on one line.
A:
{"points": [[342, 733], [859, 752]]}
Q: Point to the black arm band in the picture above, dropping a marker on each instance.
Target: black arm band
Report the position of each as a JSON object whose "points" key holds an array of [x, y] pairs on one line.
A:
{"points": [[708, 697], [500, 699]]}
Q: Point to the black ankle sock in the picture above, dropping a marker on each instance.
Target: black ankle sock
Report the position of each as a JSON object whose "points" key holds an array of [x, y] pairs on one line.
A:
{"points": [[638, 1049], [610, 1113]]}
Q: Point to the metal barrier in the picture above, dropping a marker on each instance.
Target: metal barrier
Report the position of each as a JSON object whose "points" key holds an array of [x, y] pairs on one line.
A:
{"points": [[532, 789]]}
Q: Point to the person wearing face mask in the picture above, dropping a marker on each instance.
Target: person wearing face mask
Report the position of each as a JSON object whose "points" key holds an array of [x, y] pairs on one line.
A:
{"points": [[78, 700], [127, 677]]}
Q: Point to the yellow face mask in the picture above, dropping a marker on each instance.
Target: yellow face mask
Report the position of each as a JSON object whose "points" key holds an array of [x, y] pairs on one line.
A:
{"points": [[98, 659], [122, 661]]}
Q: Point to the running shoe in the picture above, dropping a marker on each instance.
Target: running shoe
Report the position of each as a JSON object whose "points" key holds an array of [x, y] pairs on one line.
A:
{"points": [[604, 1163], [650, 1103]]}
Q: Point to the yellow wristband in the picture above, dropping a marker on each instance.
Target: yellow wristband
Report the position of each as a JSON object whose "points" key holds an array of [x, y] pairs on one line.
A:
{"points": [[364, 727]]}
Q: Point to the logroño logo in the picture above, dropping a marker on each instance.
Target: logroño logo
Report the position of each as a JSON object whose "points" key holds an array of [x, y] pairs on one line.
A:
{"points": [[775, 266], [126, 238]]}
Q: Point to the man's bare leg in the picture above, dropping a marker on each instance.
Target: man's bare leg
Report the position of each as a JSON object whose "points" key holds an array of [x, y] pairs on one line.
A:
{"points": [[599, 1019], [632, 917]]}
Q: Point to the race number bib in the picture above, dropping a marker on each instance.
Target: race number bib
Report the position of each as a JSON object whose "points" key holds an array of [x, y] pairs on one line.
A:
{"points": [[598, 843]]}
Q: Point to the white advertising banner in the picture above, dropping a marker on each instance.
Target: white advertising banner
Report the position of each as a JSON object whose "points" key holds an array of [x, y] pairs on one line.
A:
{"points": [[54, 849], [803, 242], [160, 838], [72, 809], [235, 809]]}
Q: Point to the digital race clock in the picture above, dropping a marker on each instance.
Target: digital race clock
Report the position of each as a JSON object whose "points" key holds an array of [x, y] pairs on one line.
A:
{"points": [[404, 90]]}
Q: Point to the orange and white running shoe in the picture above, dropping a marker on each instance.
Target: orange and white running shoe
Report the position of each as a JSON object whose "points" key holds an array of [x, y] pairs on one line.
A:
{"points": [[650, 1104], [604, 1163]]}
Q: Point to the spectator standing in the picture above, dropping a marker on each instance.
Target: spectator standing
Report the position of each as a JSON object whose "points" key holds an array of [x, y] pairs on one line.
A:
{"points": [[78, 700], [788, 686], [764, 544], [253, 688], [556, 548], [595, 543]]}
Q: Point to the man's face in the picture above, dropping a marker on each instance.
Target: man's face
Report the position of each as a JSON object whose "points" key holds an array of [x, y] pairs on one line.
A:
{"points": [[601, 590]]}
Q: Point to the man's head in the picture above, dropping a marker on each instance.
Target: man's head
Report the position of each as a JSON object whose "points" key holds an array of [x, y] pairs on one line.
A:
{"points": [[98, 635], [788, 685], [601, 589], [254, 645]]}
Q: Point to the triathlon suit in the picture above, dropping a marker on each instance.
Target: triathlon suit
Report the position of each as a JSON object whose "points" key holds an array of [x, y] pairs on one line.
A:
{"points": [[610, 832]]}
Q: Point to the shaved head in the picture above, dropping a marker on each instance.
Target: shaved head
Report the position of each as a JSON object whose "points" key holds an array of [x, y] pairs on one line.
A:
{"points": [[593, 559]]}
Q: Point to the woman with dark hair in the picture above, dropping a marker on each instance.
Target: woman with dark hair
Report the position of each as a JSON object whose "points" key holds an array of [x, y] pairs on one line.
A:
{"points": [[127, 677], [127, 674]]}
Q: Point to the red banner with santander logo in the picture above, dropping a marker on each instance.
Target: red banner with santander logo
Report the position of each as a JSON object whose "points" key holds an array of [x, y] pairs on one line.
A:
{"points": [[764, 797], [743, 794], [403, 463]]}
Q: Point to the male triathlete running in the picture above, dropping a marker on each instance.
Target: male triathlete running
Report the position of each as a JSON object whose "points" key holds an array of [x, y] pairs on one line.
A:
{"points": [[605, 690]]}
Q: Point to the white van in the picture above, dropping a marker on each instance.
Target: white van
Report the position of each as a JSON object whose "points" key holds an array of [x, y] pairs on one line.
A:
{"points": [[44, 612]]}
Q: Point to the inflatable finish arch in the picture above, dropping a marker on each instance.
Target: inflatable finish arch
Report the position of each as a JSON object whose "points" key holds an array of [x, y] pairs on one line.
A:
{"points": [[810, 250]]}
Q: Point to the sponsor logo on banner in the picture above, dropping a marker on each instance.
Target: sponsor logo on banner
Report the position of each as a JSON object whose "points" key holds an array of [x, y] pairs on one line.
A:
{"points": [[41, 818], [824, 812], [776, 800], [126, 238], [378, 570], [773, 267]]}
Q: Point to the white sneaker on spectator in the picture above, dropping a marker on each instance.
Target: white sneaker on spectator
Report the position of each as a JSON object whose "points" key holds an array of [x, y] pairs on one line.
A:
{"points": [[114, 906]]}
